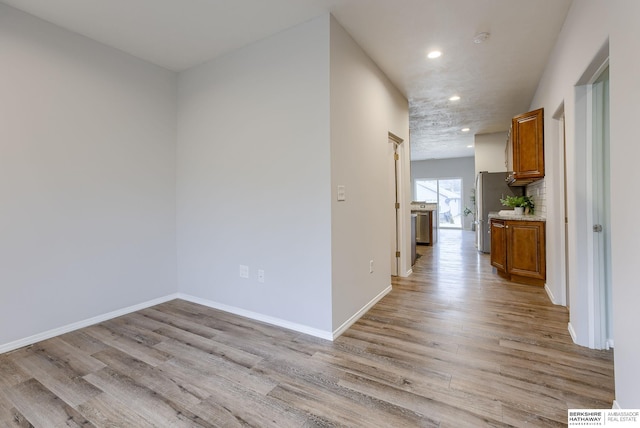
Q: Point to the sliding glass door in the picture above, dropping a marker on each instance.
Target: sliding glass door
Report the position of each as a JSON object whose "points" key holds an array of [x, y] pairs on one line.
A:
{"points": [[447, 193]]}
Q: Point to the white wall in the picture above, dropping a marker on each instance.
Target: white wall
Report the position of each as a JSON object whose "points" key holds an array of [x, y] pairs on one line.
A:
{"points": [[625, 87], [364, 108], [87, 178], [104, 199], [587, 28], [489, 151], [449, 168], [254, 178]]}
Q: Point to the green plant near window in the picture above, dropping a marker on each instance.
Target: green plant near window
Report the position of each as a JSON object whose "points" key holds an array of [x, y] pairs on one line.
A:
{"points": [[518, 201]]}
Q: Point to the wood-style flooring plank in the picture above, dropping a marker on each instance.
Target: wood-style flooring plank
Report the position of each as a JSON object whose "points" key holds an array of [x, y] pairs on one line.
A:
{"points": [[153, 407], [143, 352], [38, 406], [104, 410], [147, 376], [58, 377], [453, 345], [213, 365]]}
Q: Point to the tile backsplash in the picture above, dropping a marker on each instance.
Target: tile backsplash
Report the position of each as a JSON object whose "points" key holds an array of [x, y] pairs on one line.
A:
{"points": [[537, 191]]}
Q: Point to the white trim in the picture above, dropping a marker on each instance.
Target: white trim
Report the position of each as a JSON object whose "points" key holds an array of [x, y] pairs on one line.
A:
{"points": [[409, 272], [572, 332], [562, 215], [592, 283], [322, 334], [609, 344], [348, 323], [327, 335], [616, 405], [81, 324], [550, 294]]}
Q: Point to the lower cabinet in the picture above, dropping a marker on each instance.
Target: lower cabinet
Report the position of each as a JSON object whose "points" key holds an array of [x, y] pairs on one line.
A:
{"points": [[518, 250]]}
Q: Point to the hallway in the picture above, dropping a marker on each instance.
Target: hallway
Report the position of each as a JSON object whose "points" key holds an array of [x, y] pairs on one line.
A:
{"points": [[505, 347]]}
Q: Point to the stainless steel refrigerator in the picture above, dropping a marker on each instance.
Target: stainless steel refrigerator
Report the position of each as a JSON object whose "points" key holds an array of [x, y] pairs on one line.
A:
{"points": [[490, 188]]}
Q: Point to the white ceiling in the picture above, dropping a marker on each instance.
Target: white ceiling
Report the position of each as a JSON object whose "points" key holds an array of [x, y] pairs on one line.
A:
{"points": [[495, 80]]}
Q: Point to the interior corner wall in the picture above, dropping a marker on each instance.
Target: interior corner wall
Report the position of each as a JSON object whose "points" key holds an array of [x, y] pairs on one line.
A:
{"points": [[253, 178], [87, 178], [588, 27], [448, 168], [365, 107], [490, 151]]}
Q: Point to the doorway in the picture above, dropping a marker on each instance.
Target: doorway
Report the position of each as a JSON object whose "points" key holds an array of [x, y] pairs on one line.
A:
{"points": [[395, 190], [600, 191], [591, 290], [589, 207]]}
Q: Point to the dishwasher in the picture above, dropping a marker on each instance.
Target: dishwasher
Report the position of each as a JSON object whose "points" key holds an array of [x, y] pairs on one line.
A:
{"points": [[424, 228]]}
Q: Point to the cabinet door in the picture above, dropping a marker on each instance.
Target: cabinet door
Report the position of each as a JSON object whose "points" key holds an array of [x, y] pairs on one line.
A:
{"points": [[498, 245], [526, 248], [528, 145], [508, 152]]}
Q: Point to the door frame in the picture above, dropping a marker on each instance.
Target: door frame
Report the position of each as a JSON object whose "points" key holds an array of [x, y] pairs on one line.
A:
{"points": [[598, 284], [402, 221], [587, 296], [563, 296]]}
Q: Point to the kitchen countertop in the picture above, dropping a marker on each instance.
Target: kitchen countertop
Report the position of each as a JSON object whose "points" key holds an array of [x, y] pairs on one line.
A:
{"points": [[421, 206], [510, 215]]}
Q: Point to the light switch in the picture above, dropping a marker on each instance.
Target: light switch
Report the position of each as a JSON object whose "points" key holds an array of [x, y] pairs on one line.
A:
{"points": [[342, 193]]}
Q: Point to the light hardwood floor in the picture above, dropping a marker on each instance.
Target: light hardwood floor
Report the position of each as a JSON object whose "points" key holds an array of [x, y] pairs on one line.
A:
{"points": [[451, 346]]}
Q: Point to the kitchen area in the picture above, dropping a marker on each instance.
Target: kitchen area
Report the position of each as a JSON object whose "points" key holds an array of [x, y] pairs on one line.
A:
{"points": [[423, 229], [491, 205], [511, 207], [441, 190]]}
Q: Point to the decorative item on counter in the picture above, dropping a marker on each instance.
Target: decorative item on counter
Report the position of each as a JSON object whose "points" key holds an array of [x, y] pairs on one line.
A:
{"points": [[521, 204]]}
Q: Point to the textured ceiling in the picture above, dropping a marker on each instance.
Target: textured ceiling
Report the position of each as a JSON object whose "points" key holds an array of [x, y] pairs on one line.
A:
{"points": [[495, 80]]}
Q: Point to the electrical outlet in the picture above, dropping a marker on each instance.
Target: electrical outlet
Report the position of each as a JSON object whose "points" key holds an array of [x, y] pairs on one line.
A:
{"points": [[370, 266], [244, 271], [260, 275]]}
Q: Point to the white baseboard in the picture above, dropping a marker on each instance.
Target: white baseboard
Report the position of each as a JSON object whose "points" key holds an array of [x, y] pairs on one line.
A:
{"points": [[258, 317], [609, 344], [616, 405], [81, 324], [550, 294], [572, 332], [409, 272], [348, 323], [327, 335]]}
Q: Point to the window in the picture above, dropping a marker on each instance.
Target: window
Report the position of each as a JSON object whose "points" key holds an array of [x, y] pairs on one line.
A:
{"points": [[447, 193]]}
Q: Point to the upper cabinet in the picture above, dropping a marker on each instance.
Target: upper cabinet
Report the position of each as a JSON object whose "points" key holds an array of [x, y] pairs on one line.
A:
{"points": [[525, 148]]}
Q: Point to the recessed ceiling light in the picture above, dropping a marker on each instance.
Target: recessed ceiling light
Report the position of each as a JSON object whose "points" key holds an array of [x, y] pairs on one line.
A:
{"points": [[469, 147], [465, 129], [434, 54], [454, 98]]}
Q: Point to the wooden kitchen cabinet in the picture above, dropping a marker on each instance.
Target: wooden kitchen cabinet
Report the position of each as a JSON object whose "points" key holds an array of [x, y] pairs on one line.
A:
{"points": [[518, 250], [499, 245], [525, 148]]}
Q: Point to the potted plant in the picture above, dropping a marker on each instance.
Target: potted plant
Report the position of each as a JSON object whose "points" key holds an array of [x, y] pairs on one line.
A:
{"points": [[521, 204]]}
